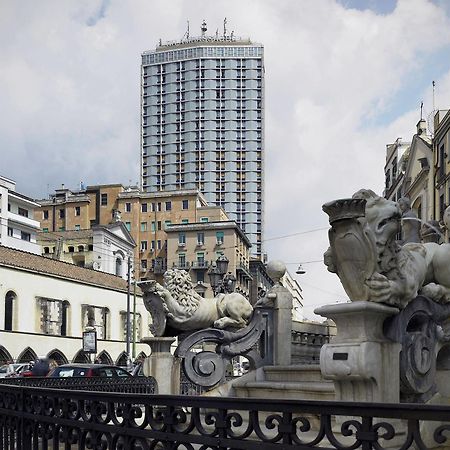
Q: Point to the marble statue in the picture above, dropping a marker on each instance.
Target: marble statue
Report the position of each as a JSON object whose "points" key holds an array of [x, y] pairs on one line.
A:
{"points": [[371, 265], [186, 310], [410, 222]]}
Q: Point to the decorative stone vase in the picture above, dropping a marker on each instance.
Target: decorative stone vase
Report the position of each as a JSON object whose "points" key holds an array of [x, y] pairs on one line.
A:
{"points": [[353, 247]]}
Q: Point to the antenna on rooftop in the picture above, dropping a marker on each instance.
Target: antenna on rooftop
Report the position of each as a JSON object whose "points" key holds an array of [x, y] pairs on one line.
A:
{"points": [[224, 27], [204, 28], [186, 35], [434, 85], [421, 110]]}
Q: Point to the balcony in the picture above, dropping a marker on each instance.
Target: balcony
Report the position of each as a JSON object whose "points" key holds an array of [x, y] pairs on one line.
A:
{"points": [[200, 265], [181, 265]]}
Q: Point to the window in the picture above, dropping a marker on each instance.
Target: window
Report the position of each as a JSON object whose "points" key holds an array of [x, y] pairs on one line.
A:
{"points": [[153, 226], [152, 245], [200, 238], [143, 264], [184, 221], [219, 237], [77, 227], [128, 226], [143, 246], [53, 316], [119, 267], [45, 214], [77, 211], [46, 250], [143, 226], [25, 236], [144, 207], [185, 204], [62, 213], [127, 207], [168, 206], [45, 230], [71, 249], [153, 207], [201, 276], [159, 244], [181, 239], [10, 232], [159, 225], [159, 206], [23, 212], [181, 260], [204, 219], [201, 259], [104, 199]]}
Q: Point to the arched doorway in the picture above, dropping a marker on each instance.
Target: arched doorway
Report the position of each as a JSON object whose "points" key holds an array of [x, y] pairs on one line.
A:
{"points": [[5, 356], [81, 358], [10, 297], [122, 360], [27, 355], [57, 356], [104, 358]]}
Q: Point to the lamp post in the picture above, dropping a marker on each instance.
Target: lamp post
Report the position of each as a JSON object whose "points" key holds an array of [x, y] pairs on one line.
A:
{"points": [[215, 278], [220, 280]]}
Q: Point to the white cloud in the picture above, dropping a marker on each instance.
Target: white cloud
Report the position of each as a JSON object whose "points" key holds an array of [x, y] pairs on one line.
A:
{"points": [[70, 97]]}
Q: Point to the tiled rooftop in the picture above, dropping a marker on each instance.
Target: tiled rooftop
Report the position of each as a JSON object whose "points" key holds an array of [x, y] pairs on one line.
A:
{"points": [[28, 261]]}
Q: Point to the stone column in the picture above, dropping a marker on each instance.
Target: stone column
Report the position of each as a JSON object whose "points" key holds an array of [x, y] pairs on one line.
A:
{"points": [[281, 299], [162, 365], [363, 364]]}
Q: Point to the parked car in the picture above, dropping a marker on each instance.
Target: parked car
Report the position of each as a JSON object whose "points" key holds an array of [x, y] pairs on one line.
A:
{"points": [[13, 370], [88, 370]]}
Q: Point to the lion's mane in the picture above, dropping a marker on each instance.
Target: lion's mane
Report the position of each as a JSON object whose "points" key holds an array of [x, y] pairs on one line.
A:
{"points": [[179, 284]]}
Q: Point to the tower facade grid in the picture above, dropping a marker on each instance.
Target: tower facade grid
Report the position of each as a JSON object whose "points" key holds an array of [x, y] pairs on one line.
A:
{"points": [[202, 125]]}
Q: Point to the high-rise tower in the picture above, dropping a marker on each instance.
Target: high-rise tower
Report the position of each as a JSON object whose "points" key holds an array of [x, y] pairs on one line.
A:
{"points": [[202, 124]]}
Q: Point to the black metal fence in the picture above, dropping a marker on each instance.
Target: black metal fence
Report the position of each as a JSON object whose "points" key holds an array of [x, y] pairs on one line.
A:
{"points": [[36, 418]]}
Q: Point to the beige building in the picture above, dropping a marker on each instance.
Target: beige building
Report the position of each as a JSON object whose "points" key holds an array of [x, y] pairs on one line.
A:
{"points": [[195, 246], [145, 215]]}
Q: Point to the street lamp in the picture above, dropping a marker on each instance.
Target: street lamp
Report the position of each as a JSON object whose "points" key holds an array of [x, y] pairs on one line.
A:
{"points": [[222, 264], [300, 270], [215, 278]]}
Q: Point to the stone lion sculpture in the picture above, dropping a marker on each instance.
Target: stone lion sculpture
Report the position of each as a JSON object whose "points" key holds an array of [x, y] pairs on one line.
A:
{"points": [[397, 274], [186, 310]]}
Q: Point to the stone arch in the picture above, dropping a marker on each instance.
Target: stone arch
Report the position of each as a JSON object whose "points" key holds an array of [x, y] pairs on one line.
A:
{"points": [[417, 206], [81, 357], [141, 356], [5, 356], [119, 257], [57, 356], [122, 360], [104, 358], [10, 300], [27, 355]]}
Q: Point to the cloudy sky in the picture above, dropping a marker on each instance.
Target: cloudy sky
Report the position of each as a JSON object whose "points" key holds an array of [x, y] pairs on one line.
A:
{"points": [[343, 79]]}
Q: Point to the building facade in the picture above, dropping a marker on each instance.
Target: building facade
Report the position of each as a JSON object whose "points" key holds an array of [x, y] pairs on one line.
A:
{"points": [[45, 305], [195, 247], [17, 227], [107, 248], [202, 124], [441, 152]]}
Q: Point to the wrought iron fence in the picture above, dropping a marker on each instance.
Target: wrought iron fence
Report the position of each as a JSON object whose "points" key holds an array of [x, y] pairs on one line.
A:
{"points": [[36, 418]]}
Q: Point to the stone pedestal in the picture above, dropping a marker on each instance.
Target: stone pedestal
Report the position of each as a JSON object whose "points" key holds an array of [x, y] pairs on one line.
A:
{"points": [[162, 365], [363, 364]]}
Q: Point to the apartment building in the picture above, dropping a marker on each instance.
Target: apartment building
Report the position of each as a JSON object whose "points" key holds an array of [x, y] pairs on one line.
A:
{"points": [[145, 215], [194, 247], [17, 227]]}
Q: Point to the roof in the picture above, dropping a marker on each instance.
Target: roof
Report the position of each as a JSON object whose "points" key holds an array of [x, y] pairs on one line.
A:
{"points": [[13, 258]]}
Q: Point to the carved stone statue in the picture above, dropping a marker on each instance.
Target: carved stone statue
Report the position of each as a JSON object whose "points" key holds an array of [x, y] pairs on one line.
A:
{"points": [[186, 310], [370, 263], [410, 222]]}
